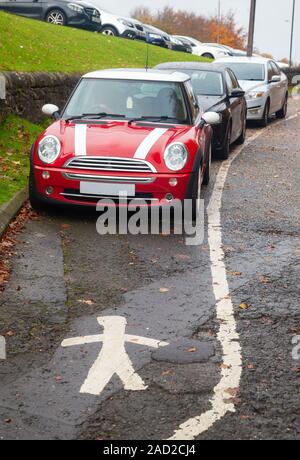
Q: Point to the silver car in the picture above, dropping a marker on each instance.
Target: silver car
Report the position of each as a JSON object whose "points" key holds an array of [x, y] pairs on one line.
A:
{"points": [[266, 86]]}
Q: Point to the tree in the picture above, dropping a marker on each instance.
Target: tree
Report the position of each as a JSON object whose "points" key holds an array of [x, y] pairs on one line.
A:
{"points": [[181, 22]]}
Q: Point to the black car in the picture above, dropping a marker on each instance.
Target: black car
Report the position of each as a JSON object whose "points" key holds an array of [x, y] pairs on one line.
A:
{"points": [[158, 37], [61, 12], [218, 90]]}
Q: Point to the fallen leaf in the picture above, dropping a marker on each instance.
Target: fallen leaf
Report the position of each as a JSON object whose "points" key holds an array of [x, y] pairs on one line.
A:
{"points": [[192, 350], [244, 306], [264, 279], [10, 334], [7, 420], [86, 302], [165, 373], [163, 290], [236, 273]]}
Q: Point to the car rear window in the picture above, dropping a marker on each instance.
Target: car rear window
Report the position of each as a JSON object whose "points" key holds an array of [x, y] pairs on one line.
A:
{"points": [[248, 71]]}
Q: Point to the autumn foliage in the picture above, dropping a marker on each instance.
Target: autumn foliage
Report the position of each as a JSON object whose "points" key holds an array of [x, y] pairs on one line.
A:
{"points": [[180, 22]]}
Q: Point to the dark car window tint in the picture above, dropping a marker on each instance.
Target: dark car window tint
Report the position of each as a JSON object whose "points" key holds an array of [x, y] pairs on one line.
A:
{"points": [[248, 71], [131, 98], [228, 82], [234, 81], [206, 83], [193, 100]]}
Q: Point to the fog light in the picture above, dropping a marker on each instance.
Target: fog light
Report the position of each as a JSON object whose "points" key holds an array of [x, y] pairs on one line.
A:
{"points": [[173, 182], [49, 190], [169, 197], [45, 175]]}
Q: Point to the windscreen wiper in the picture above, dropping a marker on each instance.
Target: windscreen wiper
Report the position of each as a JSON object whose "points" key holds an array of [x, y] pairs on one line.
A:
{"points": [[95, 116], [154, 119]]}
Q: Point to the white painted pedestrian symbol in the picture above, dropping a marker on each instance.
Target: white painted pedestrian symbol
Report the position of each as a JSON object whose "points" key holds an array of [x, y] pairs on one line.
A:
{"points": [[113, 358], [2, 347]]}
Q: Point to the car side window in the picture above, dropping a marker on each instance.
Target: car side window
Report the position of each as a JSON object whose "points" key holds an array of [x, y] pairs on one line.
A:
{"points": [[229, 83], [193, 101], [271, 72], [275, 68], [235, 83]]}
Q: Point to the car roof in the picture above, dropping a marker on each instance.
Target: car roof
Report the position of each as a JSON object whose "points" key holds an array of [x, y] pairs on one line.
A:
{"points": [[140, 74], [244, 59], [209, 67]]}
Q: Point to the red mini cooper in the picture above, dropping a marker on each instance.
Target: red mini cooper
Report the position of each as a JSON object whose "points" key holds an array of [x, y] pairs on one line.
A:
{"points": [[132, 133]]}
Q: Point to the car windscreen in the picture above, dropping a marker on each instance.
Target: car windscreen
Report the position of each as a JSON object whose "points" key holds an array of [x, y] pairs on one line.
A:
{"points": [[206, 83], [248, 71], [128, 98]]}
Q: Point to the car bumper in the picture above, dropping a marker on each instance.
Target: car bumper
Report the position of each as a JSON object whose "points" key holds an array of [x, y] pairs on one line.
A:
{"points": [[255, 109], [151, 192], [85, 22]]}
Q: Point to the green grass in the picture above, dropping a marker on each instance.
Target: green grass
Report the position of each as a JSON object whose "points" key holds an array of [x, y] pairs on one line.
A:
{"points": [[16, 138], [30, 45]]}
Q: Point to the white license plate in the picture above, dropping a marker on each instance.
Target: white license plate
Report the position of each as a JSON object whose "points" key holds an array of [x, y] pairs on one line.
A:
{"points": [[98, 20], [93, 188]]}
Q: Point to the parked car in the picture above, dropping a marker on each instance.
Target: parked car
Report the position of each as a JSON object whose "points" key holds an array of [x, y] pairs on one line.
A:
{"points": [[200, 49], [132, 131], [266, 87], [158, 37], [231, 51], [217, 90], [119, 26], [81, 14]]}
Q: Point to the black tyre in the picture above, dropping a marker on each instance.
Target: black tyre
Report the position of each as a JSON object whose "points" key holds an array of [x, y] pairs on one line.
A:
{"points": [[35, 201], [109, 31], [206, 176], [56, 17], [265, 120], [196, 194], [283, 112], [223, 154], [241, 140], [208, 56]]}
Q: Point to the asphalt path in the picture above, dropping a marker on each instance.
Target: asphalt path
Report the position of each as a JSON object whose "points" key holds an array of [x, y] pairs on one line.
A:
{"points": [[144, 337]]}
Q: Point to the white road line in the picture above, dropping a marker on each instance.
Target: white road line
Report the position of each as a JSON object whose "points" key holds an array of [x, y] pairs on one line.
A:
{"points": [[231, 372], [149, 141], [80, 139]]}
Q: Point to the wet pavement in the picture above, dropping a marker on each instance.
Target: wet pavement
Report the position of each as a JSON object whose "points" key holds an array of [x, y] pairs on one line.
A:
{"points": [[120, 337]]}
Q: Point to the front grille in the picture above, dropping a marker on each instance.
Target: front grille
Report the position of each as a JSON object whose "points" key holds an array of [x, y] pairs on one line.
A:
{"points": [[109, 179], [75, 195], [92, 12], [110, 164]]}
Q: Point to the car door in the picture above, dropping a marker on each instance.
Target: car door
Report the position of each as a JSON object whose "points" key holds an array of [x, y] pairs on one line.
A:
{"points": [[28, 8], [236, 105], [273, 89], [280, 86]]}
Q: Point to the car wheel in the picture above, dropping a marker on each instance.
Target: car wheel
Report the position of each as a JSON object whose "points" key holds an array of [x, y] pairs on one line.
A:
{"points": [[241, 140], [224, 153], [206, 176], [196, 195], [265, 120], [56, 17], [109, 31], [208, 56], [282, 112], [34, 200]]}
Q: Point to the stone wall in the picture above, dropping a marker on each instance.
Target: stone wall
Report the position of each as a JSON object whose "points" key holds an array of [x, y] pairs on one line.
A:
{"points": [[24, 94]]}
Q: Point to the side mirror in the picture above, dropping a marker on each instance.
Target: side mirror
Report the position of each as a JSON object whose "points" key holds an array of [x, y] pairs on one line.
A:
{"points": [[211, 118], [275, 79], [237, 93], [51, 110]]}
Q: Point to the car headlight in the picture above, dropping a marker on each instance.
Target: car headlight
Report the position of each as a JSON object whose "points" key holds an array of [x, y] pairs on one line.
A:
{"points": [[254, 94], [74, 7], [176, 156], [125, 23], [49, 149]]}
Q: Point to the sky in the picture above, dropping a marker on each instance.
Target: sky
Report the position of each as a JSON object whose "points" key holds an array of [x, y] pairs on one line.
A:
{"points": [[273, 18]]}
